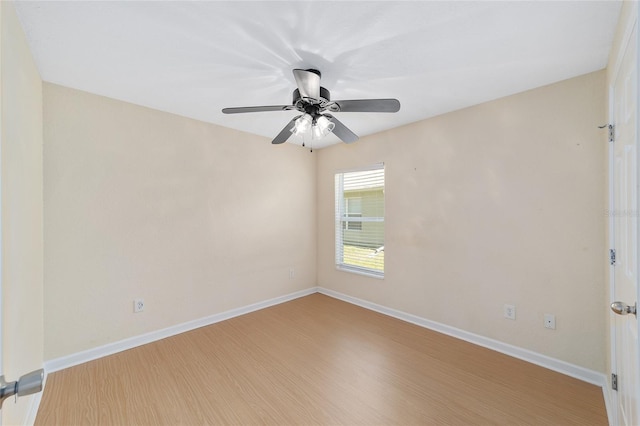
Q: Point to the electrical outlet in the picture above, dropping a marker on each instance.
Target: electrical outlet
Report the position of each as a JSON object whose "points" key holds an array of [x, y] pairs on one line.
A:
{"points": [[510, 312], [550, 321], [138, 305], [292, 273]]}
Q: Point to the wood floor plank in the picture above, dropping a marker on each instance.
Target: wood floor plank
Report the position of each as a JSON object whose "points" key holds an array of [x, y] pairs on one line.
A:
{"points": [[315, 360]]}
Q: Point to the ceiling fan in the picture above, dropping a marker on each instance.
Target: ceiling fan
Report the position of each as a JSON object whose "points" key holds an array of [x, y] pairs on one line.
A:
{"points": [[313, 102]]}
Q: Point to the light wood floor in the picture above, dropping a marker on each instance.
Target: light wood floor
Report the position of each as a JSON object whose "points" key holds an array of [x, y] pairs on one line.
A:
{"points": [[315, 360]]}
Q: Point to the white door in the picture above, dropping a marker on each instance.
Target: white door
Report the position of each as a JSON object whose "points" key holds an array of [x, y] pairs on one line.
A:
{"points": [[625, 233], [21, 250]]}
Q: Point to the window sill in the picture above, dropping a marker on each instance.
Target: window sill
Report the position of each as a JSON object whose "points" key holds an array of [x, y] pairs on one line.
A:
{"points": [[360, 271]]}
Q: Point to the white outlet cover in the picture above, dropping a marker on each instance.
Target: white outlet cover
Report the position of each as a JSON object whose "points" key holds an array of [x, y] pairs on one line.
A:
{"points": [[138, 305], [510, 312], [550, 321]]}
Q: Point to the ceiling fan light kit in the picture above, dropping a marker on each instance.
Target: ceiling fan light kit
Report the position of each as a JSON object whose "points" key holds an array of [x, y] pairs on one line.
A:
{"points": [[320, 126], [312, 101]]}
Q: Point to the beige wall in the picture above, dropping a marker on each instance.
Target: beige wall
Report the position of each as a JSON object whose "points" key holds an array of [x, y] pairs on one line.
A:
{"points": [[195, 218], [22, 246], [501, 203]]}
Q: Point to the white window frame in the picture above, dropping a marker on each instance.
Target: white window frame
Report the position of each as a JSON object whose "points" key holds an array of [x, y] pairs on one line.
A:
{"points": [[341, 217]]}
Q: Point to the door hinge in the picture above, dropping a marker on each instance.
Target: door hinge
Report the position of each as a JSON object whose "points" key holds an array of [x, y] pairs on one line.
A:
{"points": [[612, 131], [612, 256], [614, 381]]}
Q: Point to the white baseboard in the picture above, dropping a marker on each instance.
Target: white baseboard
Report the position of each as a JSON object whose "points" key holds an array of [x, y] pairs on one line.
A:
{"points": [[57, 364], [575, 371]]}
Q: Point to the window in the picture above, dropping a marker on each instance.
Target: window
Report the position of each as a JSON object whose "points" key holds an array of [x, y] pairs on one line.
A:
{"points": [[360, 221]]}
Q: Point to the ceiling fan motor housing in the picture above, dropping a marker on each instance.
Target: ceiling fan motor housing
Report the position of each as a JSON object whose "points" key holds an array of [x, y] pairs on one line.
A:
{"points": [[325, 96], [312, 106]]}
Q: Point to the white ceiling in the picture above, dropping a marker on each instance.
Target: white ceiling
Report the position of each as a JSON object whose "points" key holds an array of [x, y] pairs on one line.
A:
{"points": [[195, 58]]}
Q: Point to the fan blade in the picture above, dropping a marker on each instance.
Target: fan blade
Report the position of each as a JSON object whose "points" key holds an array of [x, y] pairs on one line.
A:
{"points": [[308, 83], [342, 131], [285, 133], [369, 105], [238, 110]]}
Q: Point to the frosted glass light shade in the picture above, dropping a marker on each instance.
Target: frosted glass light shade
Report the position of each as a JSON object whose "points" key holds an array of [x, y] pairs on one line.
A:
{"points": [[322, 127], [302, 125]]}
